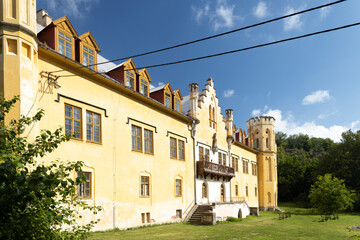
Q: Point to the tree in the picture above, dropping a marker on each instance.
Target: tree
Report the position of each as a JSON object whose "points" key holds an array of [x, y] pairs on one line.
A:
{"points": [[38, 201], [329, 195]]}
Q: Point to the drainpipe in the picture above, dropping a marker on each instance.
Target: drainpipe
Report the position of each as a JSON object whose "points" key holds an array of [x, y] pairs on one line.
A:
{"points": [[193, 131]]}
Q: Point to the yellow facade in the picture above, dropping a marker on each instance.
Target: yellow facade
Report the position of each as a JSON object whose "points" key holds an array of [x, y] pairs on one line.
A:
{"points": [[139, 182]]}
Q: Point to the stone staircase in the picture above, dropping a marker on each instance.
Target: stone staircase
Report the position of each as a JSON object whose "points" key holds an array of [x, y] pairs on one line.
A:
{"points": [[197, 214]]}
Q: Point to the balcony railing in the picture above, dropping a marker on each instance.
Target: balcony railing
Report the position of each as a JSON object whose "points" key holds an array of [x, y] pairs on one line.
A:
{"points": [[204, 167], [230, 200]]}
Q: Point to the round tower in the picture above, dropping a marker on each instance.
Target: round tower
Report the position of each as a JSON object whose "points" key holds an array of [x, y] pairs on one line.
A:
{"points": [[261, 131], [18, 54]]}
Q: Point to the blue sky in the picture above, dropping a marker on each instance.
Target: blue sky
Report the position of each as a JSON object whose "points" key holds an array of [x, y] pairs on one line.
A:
{"points": [[310, 86]]}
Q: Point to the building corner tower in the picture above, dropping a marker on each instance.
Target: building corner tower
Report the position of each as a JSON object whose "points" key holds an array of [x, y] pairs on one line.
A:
{"points": [[18, 55], [261, 131]]}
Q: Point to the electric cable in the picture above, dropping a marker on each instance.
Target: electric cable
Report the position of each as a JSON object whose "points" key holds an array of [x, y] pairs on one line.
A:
{"points": [[207, 38], [229, 52]]}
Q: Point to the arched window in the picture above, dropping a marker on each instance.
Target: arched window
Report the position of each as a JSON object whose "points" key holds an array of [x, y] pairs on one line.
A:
{"points": [[267, 138], [269, 197], [257, 143], [204, 190]]}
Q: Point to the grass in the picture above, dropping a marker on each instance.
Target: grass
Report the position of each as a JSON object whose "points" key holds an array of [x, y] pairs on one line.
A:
{"points": [[303, 224]]}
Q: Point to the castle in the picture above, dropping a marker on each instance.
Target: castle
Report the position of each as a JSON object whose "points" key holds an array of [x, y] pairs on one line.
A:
{"points": [[151, 154]]}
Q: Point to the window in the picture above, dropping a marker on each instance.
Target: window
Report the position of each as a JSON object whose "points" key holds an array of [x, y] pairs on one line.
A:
{"points": [[145, 217], [224, 159], [177, 104], [173, 147], [26, 50], [136, 138], [130, 80], [181, 145], [201, 154], [257, 143], [269, 164], [255, 191], [207, 154], [144, 88], [145, 183], [269, 197], [64, 46], [254, 169], [148, 141], [84, 188], [245, 166], [236, 190], [167, 100], [212, 117], [73, 121], [204, 190], [142, 217], [247, 191], [179, 213], [235, 163], [178, 191], [267, 143], [220, 158], [88, 57], [11, 46], [93, 132]]}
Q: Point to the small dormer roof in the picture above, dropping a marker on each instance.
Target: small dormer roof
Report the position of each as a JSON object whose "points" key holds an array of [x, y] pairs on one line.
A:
{"points": [[65, 23], [89, 36], [145, 73]]}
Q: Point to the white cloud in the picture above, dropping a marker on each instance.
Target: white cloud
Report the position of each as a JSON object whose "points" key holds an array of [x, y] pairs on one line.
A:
{"points": [[73, 8], [324, 12], [288, 125], [316, 97], [160, 83], [229, 93], [261, 10], [220, 16], [293, 22], [255, 112]]}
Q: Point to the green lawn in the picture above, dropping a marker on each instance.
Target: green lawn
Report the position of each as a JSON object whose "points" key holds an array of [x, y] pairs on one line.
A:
{"points": [[303, 224]]}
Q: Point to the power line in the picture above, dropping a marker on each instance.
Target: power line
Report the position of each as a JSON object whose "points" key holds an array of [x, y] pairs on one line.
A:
{"points": [[209, 37], [233, 51]]}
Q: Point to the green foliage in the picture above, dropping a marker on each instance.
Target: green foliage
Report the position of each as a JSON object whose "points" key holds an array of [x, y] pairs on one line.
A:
{"points": [[298, 158], [233, 219], [343, 160], [37, 201], [329, 195]]}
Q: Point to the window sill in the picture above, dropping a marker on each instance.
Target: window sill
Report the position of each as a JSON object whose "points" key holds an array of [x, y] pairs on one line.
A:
{"points": [[97, 143], [77, 139], [151, 154], [145, 196], [137, 151]]}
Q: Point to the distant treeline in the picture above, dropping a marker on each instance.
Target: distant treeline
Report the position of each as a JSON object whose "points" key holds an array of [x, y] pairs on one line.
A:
{"points": [[301, 159]]}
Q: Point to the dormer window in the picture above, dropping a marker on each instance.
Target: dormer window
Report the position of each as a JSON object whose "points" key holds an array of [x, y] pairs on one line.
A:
{"points": [[167, 100], [144, 88], [88, 57], [64, 46], [130, 82], [177, 104]]}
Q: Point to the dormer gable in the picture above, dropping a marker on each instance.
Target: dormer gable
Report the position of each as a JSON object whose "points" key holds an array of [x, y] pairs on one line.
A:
{"points": [[86, 50], [163, 94], [125, 73], [144, 81], [177, 97], [60, 35]]}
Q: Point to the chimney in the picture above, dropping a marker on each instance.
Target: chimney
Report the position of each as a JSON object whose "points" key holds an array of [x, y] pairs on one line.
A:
{"points": [[43, 18], [194, 97]]}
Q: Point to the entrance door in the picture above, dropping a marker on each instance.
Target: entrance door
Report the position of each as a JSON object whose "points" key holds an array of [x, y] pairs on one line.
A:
{"points": [[222, 193]]}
